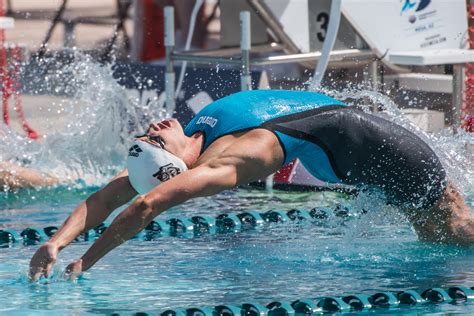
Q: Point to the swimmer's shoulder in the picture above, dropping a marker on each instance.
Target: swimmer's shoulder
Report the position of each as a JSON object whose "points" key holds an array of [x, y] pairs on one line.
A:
{"points": [[265, 96]]}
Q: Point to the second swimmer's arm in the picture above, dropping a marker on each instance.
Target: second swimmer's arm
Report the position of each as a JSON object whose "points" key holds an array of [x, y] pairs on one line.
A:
{"points": [[14, 176]]}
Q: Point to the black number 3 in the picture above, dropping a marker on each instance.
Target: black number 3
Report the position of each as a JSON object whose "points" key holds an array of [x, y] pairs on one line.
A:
{"points": [[323, 18]]}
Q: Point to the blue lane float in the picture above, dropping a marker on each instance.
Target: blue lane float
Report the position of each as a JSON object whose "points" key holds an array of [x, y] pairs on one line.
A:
{"points": [[179, 226], [204, 224], [226, 223], [228, 310], [460, 293], [276, 216], [299, 215], [50, 231], [251, 219], [378, 303], [436, 295], [157, 227], [333, 305], [200, 311], [254, 309], [306, 306], [8, 236], [320, 213], [358, 302], [410, 297], [174, 312], [33, 235], [384, 299], [283, 308], [185, 227]]}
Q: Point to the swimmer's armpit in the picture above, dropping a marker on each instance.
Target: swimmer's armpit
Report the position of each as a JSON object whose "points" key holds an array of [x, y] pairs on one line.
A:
{"points": [[16, 177]]}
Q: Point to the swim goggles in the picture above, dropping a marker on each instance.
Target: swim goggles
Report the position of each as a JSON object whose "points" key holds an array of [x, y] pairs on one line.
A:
{"points": [[156, 140]]}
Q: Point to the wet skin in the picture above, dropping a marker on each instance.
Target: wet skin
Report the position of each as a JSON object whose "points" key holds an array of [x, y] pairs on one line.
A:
{"points": [[229, 161]]}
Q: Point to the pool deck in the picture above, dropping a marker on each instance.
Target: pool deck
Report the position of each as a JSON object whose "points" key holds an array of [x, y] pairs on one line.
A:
{"points": [[31, 29], [44, 113]]}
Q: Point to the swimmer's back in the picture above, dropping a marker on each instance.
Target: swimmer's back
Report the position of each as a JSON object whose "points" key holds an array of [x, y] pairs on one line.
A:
{"points": [[250, 109], [364, 149]]}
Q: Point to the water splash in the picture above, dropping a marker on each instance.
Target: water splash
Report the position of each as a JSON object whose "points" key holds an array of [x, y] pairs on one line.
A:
{"points": [[101, 117], [452, 148]]}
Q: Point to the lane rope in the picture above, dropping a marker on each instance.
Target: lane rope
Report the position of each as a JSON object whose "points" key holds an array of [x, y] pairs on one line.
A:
{"points": [[190, 227], [251, 219]]}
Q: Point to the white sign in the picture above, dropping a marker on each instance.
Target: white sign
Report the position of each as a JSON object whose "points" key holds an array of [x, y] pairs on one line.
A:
{"points": [[408, 24], [294, 18]]}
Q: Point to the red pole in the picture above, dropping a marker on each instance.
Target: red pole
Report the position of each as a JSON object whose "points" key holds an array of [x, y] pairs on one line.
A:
{"points": [[4, 71], [16, 87], [467, 115], [10, 80]]}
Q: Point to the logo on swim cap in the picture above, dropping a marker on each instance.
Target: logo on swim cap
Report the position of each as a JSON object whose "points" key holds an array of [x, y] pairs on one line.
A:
{"points": [[149, 165], [167, 172], [134, 151]]}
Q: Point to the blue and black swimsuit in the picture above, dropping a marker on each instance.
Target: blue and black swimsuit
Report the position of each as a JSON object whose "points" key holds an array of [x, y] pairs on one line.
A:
{"points": [[336, 143]]}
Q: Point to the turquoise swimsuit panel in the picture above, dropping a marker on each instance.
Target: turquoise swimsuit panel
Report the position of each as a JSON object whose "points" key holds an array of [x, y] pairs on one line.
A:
{"points": [[250, 109]]}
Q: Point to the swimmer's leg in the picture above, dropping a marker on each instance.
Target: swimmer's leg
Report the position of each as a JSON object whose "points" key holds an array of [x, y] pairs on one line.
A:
{"points": [[449, 221], [14, 177]]}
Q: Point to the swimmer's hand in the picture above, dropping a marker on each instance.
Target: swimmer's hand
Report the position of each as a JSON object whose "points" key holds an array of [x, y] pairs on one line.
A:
{"points": [[42, 261], [74, 269]]}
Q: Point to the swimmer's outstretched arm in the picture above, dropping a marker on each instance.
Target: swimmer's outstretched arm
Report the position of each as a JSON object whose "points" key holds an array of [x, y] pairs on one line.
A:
{"points": [[13, 176], [240, 163], [87, 215]]}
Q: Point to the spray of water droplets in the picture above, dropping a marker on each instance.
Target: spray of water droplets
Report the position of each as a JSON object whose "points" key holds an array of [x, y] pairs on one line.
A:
{"points": [[101, 117], [452, 148]]}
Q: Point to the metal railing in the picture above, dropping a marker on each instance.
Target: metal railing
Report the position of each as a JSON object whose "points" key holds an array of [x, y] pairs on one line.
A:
{"points": [[244, 61]]}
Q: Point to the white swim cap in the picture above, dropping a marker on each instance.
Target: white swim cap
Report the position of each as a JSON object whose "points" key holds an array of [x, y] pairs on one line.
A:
{"points": [[149, 165]]}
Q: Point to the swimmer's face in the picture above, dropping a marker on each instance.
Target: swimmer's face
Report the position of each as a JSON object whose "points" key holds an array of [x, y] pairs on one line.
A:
{"points": [[167, 134]]}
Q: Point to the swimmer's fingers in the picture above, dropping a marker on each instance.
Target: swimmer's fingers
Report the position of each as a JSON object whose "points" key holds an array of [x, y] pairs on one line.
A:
{"points": [[48, 269], [74, 269], [42, 261], [35, 273]]}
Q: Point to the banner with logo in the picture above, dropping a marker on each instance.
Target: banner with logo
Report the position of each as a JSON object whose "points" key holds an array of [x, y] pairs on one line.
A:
{"points": [[403, 25]]}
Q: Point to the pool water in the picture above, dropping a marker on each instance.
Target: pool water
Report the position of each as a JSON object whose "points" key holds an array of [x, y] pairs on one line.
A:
{"points": [[364, 253]]}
